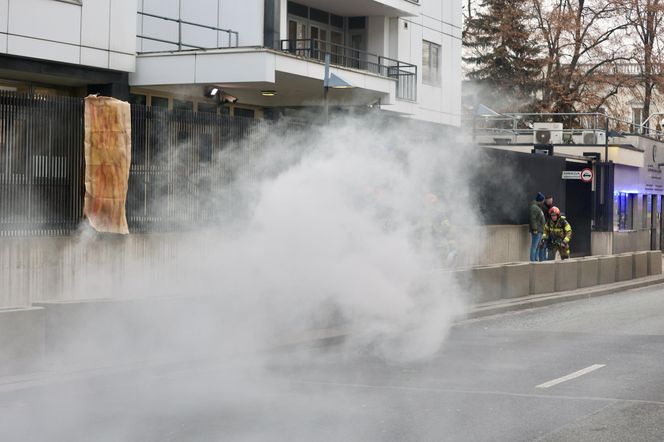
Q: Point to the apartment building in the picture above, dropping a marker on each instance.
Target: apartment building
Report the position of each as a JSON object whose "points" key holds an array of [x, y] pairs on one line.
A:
{"points": [[257, 58], [67, 47]]}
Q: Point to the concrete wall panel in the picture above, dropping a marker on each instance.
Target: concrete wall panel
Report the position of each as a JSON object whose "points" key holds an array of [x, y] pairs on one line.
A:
{"points": [[567, 274], [640, 265], [607, 269], [487, 283], [47, 50], [588, 272], [654, 262], [624, 267], [516, 282], [542, 277], [22, 340]]}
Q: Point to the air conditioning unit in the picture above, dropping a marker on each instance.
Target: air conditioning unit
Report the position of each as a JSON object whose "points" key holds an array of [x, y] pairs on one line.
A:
{"points": [[592, 137], [547, 133]]}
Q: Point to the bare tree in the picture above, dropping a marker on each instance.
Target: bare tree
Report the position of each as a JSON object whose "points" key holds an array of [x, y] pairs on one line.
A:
{"points": [[581, 40], [644, 18]]}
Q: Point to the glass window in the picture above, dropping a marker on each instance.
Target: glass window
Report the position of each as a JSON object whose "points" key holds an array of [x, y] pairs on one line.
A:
{"points": [[183, 105], [159, 102], [623, 211], [241, 112], [430, 63], [207, 107], [637, 119], [298, 9], [138, 99]]}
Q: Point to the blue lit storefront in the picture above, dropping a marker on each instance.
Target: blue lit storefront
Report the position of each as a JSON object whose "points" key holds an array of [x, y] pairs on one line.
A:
{"points": [[637, 200]]}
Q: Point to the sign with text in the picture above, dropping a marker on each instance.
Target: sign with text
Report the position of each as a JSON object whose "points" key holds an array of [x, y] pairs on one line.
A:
{"points": [[571, 174]]}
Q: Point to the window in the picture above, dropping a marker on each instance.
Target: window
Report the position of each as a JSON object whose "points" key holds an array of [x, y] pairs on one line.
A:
{"points": [[623, 211], [138, 99], [207, 107], [183, 105], [430, 63], [637, 119], [241, 112], [159, 102]]}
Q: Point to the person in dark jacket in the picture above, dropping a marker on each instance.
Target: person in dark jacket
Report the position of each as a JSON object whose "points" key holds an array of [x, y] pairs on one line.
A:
{"points": [[548, 204], [536, 227]]}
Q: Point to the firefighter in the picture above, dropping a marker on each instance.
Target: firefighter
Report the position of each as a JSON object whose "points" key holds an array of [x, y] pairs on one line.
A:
{"points": [[557, 234]]}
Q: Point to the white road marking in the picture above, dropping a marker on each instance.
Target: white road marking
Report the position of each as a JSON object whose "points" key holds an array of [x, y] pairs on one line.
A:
{"points": [[570, 376]]}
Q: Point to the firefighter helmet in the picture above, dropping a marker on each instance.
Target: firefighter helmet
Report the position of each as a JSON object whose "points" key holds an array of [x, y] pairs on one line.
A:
{"points": [[554, 211]]}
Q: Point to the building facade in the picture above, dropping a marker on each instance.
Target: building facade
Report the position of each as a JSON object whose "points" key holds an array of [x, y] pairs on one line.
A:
{"points": [[257, 58]]}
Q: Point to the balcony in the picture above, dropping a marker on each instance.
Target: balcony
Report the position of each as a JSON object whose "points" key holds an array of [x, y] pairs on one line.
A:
{"points": [[405, 74], [368, 8]]}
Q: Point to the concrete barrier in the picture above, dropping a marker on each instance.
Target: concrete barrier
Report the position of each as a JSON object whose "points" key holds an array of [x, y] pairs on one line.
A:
{"points": [[99, 332], [542, 277], [607, 269], [463, 278], [654, 262], [640, 265], [588, 272], [487, 283], [516, 280], [22, 340], [624, 267], [567, 274]]}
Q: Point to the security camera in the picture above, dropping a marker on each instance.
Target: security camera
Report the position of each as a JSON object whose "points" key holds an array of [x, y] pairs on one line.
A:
{"points": [[227, 98]]}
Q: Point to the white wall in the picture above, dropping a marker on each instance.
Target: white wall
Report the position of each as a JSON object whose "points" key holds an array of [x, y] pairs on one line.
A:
{"points": [[439, 22], [245, 18], [98, 33]]}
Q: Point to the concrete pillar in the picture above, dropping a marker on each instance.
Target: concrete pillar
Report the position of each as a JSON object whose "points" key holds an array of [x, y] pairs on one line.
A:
{"points": [[567, 274], [588, 272], [542, 277], [640, 265], [654, 262], [487, 283], [516, 280], [607, 269], [624, 267]]}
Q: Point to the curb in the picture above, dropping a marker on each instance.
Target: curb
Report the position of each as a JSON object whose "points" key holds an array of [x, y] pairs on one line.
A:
{"points": [[546, 299]]}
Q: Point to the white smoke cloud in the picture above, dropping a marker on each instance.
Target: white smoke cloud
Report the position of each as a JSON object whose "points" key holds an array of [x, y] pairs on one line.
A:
{"points": [[347, 226]]}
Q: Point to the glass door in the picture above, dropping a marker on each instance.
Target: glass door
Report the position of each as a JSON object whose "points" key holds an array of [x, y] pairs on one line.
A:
{"points": [[337, 40], [319, 41], [297, 37]]}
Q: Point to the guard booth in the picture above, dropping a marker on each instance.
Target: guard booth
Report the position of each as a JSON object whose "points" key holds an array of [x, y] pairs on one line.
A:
{"points": [[511, 180]]}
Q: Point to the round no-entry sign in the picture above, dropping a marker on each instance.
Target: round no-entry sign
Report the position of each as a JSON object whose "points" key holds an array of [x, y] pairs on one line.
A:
{"points": [[586, 175]]}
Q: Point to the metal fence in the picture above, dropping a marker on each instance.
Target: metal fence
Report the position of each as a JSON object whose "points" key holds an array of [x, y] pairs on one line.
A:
{"points": [[184, 165], [41, 164]]}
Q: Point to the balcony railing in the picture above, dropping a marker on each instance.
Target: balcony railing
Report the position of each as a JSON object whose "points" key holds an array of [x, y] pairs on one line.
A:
{"points": [[404, 73], [224, 38]]}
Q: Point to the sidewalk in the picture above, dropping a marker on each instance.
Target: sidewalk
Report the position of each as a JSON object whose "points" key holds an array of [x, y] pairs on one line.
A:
{"points": [[533, 301]]}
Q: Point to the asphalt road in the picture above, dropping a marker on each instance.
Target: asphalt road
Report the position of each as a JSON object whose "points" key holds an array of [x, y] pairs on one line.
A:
{"points": [[590, 370]]}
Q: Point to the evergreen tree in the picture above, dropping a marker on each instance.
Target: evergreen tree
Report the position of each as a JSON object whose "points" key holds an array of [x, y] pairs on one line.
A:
{"points": [[501, 56]]}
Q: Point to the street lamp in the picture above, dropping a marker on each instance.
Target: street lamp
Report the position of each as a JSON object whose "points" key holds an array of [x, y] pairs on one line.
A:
{"points": [[331, 81]]}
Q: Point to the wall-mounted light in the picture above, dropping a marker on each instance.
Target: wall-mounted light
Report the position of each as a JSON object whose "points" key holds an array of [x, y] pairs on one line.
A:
{"points": [[268, 93], [211, 91]]}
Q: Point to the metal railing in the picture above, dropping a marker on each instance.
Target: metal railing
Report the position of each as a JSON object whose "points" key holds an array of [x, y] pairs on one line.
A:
{"points": [[404, 73], [231, 36], [508, 127]]}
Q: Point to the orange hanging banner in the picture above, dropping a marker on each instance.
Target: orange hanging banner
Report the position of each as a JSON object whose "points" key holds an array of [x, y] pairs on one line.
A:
{"points": [[107, 161]]}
